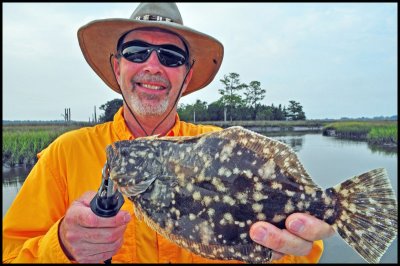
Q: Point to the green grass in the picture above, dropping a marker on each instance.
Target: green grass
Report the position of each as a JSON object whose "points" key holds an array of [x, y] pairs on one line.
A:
{"points": [[385, 134], [21, 143], [376, 132]]}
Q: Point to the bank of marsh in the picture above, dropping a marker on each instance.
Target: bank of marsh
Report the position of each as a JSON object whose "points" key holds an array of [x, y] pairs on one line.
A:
{"points": [[374, 132], [21, 143]]}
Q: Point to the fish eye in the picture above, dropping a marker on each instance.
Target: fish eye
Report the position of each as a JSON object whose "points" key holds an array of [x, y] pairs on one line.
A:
{"points": [[124, 153]]}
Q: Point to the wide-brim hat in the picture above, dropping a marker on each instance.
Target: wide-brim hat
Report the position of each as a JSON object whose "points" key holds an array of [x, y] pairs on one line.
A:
{"points": [[98, 41]]}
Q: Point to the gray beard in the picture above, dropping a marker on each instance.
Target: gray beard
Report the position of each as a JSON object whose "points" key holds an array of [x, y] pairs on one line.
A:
{"points": [[144, 109]]}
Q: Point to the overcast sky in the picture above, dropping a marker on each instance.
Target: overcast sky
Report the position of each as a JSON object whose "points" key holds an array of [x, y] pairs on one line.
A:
{"points": [[336, 59]]}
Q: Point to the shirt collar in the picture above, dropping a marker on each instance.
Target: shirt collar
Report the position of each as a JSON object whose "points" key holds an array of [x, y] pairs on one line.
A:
{"points": [[123, 132]]}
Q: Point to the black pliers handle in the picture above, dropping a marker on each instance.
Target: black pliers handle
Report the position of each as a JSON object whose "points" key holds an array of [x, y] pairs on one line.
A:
{"points": [[108, 199]]}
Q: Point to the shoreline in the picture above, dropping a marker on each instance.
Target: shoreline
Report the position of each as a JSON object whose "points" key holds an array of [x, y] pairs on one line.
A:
{"points": [[388, 145]]}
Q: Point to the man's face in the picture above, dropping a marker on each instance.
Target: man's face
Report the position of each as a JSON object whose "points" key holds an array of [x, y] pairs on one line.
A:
{"points": [[150, 88]]}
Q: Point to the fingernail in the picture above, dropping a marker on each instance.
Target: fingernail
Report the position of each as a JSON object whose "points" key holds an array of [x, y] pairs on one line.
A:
{"points": [[259, 234], [296, 226]]}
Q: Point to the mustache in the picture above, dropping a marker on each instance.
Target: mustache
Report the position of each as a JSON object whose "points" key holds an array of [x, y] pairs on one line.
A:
{"points": [[149, 78]]}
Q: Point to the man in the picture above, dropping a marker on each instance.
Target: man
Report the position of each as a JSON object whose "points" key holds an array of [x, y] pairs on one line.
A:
{"points": [[152, 60]]}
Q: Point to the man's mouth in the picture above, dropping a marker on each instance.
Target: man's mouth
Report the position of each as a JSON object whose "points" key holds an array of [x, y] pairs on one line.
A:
{"points": [[151, 87]]}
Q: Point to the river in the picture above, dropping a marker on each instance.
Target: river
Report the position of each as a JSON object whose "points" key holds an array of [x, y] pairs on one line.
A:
{"points": [[328, 161]]}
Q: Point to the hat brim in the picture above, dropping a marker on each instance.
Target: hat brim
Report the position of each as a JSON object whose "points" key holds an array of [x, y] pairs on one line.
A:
{"points": [[98, 40]]}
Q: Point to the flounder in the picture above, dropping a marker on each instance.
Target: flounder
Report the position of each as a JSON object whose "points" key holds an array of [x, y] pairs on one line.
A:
{"points": [[204, 192]]}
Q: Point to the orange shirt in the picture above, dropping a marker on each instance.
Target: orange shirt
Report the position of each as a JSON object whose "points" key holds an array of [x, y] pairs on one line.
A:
{"points": [[66, 169]]}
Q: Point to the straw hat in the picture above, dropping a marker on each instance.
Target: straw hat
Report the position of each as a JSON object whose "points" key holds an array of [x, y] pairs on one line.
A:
{"points": [[98, 41]]}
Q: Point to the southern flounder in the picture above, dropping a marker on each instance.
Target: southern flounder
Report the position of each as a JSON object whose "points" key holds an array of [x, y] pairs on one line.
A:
{"points": [[204, 192]]}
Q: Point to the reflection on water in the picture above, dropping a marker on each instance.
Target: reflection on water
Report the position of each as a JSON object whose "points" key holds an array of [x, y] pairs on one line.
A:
{"points": [[328, 161], [295, 142], [390, 151], [14, 176], [15, 181]]}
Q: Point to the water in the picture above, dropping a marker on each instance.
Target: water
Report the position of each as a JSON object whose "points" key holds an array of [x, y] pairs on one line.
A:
{"points": [[328, 161], [13, 178]]}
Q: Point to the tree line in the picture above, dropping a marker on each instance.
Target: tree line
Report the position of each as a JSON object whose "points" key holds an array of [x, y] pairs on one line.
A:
{"points": [[238, 101]]}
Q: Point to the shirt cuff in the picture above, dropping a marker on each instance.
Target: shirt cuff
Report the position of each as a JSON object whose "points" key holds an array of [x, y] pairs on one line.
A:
{"points": [[51, 250]]}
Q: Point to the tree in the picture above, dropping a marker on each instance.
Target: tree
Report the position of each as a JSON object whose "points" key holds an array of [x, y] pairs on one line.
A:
{"points": [[200, 111], [185, 112], [216, 110], [295, 111], [193, 112], [230, 96], [110, 108], [279, 113], [254, 94]]}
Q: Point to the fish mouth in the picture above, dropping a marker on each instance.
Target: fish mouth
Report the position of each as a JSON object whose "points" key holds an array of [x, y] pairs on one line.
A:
{"points": [[133, 190]]}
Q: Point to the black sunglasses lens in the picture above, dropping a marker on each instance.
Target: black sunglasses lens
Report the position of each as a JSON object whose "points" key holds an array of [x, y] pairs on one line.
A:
{"points": [[171, 58], [136, 54]]}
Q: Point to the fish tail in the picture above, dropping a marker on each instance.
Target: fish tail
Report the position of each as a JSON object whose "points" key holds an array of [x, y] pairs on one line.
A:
{"points": [[367, 213]]}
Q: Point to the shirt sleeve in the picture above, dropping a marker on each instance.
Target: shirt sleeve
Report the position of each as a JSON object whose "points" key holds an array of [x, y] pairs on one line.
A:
{"points": [[30, 226]]}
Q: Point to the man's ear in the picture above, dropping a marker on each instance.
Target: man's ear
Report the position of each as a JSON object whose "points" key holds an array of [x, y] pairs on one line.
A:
{"points": [[188, 79], [116, 69]]}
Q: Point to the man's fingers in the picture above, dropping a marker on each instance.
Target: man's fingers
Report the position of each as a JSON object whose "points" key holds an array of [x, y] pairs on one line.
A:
{"points": [[308, 227], [87, 218], [279, 240], [102, 236]]}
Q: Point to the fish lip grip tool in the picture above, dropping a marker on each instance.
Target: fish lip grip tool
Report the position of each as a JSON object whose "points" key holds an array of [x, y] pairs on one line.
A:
{"points": [[108, 199]]}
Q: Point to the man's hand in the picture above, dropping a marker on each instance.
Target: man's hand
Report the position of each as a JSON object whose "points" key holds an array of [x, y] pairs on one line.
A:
{"points": [[88, 238], [297, 239]]}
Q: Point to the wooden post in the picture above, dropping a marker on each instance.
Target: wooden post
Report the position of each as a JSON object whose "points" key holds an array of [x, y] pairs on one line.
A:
{"points": [[224, 114], [69, 114], [95, 118]]}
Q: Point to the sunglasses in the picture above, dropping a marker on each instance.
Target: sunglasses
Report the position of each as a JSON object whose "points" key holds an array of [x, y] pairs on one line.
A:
{"points": [[138, 52]]}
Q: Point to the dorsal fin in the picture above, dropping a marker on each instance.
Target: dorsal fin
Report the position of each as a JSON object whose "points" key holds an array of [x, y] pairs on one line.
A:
{"points": [[266, 147], [269, 148]]}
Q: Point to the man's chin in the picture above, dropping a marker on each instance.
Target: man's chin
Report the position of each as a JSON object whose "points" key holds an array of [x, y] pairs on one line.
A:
{"points": [[150, 109]]}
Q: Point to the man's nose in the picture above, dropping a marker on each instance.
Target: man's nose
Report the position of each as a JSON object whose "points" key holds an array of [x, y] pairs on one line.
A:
{"points": [[152, 64]]}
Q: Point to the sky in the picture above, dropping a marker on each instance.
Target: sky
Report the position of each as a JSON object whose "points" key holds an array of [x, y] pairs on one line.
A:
{"points": [[335, 59]]}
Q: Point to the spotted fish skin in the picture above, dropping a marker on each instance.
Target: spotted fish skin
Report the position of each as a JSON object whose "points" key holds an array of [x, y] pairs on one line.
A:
{"points": [[204, 192]]}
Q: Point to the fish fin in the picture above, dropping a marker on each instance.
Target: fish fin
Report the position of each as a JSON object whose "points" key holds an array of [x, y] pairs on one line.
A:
{"points": [[250, 253], [152, 137], [173, 139], [367, 218], [269, 148], [138, 213]]}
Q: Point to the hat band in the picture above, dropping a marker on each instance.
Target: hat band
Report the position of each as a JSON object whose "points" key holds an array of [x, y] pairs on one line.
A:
{"points": [[153, 18]]}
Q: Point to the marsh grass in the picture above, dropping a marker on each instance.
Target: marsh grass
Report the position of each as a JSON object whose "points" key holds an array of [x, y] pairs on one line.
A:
{"points": [[375, 132], [387, 134], [21, 143]]}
